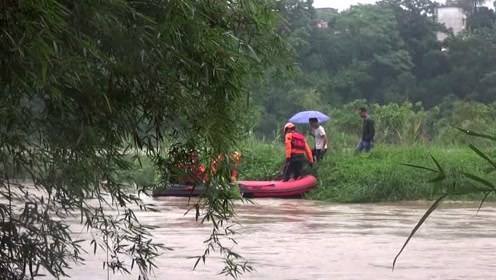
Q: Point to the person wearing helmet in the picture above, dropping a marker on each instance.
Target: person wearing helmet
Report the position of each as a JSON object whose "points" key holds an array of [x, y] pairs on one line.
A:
{"points": [[297, 152], [235, 159], [187, 169], [234, 162]]}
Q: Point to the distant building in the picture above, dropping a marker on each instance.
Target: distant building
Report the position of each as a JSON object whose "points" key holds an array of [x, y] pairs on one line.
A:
{"points": [[453, 18]]}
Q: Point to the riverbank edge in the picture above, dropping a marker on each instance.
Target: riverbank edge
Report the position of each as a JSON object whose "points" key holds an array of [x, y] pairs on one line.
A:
{"points": [[380, 176], [347, 177]]}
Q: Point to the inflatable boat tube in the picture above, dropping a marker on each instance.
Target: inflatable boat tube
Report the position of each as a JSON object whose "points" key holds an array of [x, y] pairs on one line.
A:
{"points": [[281, 189], [249, 189]]}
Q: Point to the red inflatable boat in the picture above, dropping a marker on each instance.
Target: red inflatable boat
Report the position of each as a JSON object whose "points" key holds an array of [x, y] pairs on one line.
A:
{"points": [[291, 188]]}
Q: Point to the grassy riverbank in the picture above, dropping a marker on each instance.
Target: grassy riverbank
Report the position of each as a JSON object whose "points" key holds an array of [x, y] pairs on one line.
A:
{"points": [[345, 176], [381, 175]]}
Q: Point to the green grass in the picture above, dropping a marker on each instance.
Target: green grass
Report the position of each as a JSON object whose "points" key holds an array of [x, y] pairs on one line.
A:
{"points": [[261, 160], [345, 176], [381, 175], [141, 172]]}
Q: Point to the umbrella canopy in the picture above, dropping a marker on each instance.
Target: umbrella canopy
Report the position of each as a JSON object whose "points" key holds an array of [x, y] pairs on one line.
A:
{"points": [[303, 117]]}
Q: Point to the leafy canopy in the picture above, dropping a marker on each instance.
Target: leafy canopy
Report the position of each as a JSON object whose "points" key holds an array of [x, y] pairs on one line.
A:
{"points": [[86, 84]]}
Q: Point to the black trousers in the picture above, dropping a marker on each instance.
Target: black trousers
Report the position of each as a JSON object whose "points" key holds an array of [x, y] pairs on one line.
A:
{"points": [[294, 167], [318, 154]]}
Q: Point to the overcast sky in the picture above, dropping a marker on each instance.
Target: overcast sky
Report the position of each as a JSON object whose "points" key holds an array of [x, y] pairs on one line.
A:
{"points": [[344, 4], [339, 4]]}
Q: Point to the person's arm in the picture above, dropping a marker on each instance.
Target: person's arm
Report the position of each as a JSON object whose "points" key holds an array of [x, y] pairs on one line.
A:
{"points": [[364, 130], [308, 153], [365, 136], [287, 145], [234, 175], [324, 135], [372, 129], [202, 173]]}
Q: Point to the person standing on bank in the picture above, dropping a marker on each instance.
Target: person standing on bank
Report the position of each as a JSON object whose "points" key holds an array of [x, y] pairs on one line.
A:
{"points": [[368, 132], [320, 139], [297, 152]]}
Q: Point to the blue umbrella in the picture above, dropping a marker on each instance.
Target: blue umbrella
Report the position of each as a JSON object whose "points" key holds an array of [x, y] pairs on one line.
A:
{"points": [[303, 117]]}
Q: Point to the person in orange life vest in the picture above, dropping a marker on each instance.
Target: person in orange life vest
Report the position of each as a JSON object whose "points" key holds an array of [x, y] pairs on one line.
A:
{"points": [[192, 171], [234, 161], [235, 158], [297, 152]]}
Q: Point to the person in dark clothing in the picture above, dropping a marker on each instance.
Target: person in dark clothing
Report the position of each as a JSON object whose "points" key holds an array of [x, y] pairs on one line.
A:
{"points": [[368, 132]]}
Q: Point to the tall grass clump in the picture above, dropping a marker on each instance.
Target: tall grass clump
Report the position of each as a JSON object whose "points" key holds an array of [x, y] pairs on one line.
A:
{"points": [[139, 171], [261, 159], [383, 175]]}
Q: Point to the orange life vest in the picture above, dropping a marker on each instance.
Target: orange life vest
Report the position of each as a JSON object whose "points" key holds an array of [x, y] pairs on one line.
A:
{"points": [[191, 172], [296, 145], [235, 159]]}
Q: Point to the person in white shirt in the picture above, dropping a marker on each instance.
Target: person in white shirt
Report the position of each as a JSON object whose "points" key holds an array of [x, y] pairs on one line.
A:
{"points": [[320, 139]]}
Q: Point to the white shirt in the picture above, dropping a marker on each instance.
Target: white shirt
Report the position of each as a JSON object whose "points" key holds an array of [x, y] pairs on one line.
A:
{"points": [[319, 134]]}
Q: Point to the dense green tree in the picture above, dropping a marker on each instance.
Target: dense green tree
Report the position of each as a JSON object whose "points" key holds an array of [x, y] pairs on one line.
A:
{"points": [[381, 53], [296, 24], [326, 14], [472, 70], [277, 95], [483, 17], [86, 84], [469, 6], [361, 59], [418, 30]]}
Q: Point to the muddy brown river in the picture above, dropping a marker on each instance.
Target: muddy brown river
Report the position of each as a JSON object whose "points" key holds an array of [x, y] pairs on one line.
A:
{"points": [[301, 239]]}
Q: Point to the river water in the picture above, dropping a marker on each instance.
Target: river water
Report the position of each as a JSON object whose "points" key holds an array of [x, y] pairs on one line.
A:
{"points": [[301, 239]]}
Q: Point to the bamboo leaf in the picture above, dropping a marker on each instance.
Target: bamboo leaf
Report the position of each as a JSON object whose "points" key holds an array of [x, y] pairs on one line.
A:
{"points": [[476, 134], [442, 174], [419, 224], [482, 155], [480, 180], [437, 164], [486, 195], [420, 167]]}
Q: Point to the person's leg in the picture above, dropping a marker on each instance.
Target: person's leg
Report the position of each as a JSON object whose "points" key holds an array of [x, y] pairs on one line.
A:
{"points": [[322, 154], [367, 146], [360, 147], [316, 155], [288, 170], [298, 167]]}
